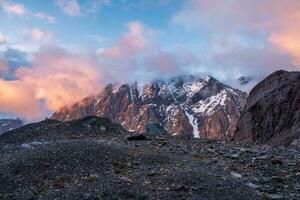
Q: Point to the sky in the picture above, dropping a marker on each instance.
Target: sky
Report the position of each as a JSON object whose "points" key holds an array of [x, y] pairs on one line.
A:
{"points": [[56, 52]]}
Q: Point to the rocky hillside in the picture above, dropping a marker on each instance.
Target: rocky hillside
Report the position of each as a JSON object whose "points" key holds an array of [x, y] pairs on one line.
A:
{"points": [[9, 124], [272, 112], [199, 107], [93, 158]]}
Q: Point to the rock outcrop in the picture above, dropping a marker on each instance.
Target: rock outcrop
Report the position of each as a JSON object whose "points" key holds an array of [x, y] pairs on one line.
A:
{"points": [[272, 112], [199, 107]]}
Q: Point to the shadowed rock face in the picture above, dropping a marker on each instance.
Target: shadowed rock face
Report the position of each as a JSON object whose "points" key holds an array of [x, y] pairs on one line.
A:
{"points": [[272, 112], [199, 107]]}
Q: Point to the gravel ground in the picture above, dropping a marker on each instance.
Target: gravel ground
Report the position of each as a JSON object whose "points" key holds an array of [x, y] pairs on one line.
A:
{"points": [[53, 160]]}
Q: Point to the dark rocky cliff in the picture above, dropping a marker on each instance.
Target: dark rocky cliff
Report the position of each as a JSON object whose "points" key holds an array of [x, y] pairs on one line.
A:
{"points": [[272, 112]]}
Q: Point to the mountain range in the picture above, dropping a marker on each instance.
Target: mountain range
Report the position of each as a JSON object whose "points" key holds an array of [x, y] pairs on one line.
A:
{"points": [[184, 105]]}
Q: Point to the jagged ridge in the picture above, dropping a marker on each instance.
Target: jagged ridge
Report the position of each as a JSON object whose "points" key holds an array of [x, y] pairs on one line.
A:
{"points": [[200, 107]]}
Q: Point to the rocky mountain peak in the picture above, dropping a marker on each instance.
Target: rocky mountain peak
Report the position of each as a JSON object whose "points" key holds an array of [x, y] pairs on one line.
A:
{"points": [[196, 106]]}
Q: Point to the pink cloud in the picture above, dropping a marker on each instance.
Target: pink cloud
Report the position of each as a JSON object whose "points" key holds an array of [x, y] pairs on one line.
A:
{"points": [[277, 20], [140, 57], [13, 8], [131, 43], [57, 78], [18, 98]]}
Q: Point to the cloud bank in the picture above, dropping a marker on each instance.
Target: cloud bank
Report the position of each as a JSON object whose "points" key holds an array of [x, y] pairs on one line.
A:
{"points": [[141, 58], [250, 36], [57, 78]]}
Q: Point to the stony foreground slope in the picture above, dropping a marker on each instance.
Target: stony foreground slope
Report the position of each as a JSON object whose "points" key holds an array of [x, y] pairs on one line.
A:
{"points": [[198, 107], [272, 112], [93, 158]]}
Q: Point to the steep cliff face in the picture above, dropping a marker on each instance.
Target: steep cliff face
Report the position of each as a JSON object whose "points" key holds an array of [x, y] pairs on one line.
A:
{"points": [[272, 111], [200, 107]]}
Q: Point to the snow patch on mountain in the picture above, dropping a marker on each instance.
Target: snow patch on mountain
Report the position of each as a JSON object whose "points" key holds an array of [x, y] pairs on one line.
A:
{"points": [[208, 105], [193, 122], [192, 119], [193, 87]]}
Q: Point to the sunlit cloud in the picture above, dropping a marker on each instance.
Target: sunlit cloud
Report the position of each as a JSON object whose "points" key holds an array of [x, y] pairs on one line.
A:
{"points": [[18, 98], [130, 44], [273, 23], [56, 78], [20, 10], [13, 8], [137, 52]]}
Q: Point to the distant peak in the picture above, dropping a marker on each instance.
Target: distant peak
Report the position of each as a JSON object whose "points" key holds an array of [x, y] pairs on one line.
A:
{"points": [[244, 80]]}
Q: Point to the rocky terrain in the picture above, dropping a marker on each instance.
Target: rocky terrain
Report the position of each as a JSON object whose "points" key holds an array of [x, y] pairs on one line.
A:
{"points": [[198, 107], [93, 158], [272, 112], [9, 124]]}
